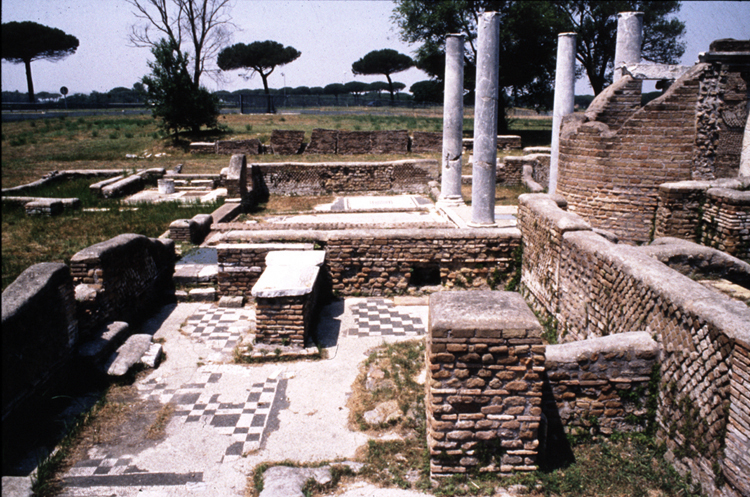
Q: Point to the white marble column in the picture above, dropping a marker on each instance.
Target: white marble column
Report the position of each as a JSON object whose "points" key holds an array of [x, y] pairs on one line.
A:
{"points": [[485, 122], [629, 40], [565, 82], [453, 120]]}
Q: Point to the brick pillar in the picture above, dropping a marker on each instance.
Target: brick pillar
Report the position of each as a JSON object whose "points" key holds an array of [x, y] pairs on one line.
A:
{"points": [[485, 360]]}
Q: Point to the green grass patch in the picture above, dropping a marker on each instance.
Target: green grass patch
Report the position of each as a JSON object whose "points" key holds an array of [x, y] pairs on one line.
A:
{"points": [[30, 240]]}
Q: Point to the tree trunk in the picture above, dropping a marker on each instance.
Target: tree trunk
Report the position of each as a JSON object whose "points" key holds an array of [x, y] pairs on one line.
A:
{"points": [[29, 82], [390, 85], [264, 77]]}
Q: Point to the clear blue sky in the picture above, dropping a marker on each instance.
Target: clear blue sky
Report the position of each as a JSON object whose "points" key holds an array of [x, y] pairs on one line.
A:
{"points": [[330, 34]]}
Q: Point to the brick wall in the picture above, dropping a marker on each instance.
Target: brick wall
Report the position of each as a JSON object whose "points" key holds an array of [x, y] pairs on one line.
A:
{"points": [[600, 385], [736, 465], [286, 142], [282, 320], [726, 221], [485, 360], [322, 141], [130, 273], [614, 157], [247, 147], [379, 262], [713, 213], [610, 168], [427, 141], [595, 288], [297, 178]]}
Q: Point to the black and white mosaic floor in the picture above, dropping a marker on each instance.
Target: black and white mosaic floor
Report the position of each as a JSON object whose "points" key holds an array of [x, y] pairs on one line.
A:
{"points": [[221, 328], [379, 317]]}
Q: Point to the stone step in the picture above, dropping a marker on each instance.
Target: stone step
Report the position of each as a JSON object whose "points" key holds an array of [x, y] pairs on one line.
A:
{"points": [[105, 341], [192, 274]]}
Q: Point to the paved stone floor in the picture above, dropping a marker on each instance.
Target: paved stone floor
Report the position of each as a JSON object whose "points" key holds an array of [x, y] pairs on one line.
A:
{"points": [[226, 418]]}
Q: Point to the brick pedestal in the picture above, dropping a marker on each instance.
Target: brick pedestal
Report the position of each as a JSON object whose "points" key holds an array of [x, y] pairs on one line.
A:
{"points": [[485, 360]]}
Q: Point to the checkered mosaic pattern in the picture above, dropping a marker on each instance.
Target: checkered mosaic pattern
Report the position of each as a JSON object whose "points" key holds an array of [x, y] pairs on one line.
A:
{"points": [[104, 466], [378, 317], [217, 326], [244, 421]]}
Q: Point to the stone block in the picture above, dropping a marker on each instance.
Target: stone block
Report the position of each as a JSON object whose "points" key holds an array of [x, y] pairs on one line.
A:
{"points": [[203, 148], [286, 281], [231, 302], [485, 311], [105, 340], [202, 294], [128, 354]]}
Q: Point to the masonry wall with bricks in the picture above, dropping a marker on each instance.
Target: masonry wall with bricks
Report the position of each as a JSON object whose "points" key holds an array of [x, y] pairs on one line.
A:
{"points": [[296, 178], [129, 273], [599, 288], [600, 385], [614, 157], [378, 262], [713, 213], [726, 221], [285, 320], [485, 361]]}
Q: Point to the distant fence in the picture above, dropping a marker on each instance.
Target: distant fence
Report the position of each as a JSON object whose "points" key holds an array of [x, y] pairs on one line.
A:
{"points": [[243, 104]]}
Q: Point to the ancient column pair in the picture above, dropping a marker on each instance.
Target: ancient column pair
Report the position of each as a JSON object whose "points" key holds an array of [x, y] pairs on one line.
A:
{"points": [[485, 121]]}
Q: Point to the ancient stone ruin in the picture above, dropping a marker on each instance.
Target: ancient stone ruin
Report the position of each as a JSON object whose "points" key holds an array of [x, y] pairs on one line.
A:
{"points": [[646, 208]]}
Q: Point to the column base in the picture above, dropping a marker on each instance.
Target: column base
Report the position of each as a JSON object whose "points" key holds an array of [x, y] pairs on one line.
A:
{"points": [[450, 200], [472, 224]]}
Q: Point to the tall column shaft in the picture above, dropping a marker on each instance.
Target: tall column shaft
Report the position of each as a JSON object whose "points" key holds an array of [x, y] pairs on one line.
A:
{"points": [[745, 154], [485, 121], [565, 81], [629, 40], [453, 119]]}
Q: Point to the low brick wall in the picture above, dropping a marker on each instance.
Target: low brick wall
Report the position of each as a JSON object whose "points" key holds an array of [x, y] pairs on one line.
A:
{"points": [[485, 360], [286, 142], [192, 230], [281, 320], [714, 213], [600, 385], [595, 288], [300, 178], [322, 141], [379, 262], [247, 147], [426, 141], [130, 273], [726, 221]]}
